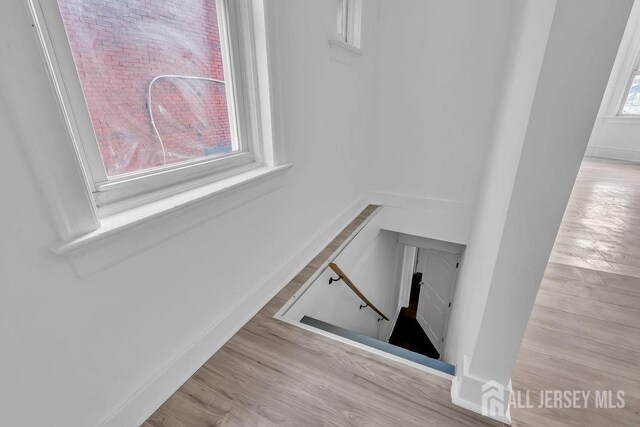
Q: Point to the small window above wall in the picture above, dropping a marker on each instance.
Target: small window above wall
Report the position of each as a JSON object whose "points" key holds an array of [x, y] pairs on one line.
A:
{"points": [[349, 22], [160, 97]]}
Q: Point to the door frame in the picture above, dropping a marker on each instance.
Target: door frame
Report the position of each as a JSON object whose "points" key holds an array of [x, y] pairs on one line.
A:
{"points": [[409, 264], [453, 298]]}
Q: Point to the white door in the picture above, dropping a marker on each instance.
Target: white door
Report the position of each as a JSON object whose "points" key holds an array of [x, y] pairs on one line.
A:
{"points": [[438, 270]]}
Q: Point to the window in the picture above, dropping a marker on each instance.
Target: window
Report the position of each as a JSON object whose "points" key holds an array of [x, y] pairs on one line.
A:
{"points": [[349, 19], [159, 96], [631, 104], [153, 79]]}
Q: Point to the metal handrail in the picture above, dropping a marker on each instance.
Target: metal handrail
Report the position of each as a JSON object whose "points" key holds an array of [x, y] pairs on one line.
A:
{"points": [[342, 276]]}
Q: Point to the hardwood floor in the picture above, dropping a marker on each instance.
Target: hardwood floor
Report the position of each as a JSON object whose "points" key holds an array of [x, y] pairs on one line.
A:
{"points": [[584, 333]]}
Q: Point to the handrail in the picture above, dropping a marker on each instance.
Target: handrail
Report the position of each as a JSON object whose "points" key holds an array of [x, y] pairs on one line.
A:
{"points": [[355, 289]]}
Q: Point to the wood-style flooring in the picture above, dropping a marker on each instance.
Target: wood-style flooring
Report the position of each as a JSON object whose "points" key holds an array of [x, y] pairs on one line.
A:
{"points": [[584, 333]]}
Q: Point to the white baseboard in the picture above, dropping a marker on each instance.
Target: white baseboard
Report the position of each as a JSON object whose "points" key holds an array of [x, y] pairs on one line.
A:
{"points": [[614, 153], [467, 392], [137, 407]]}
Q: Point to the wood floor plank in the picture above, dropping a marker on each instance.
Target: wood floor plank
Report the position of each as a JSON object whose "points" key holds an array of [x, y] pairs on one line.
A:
{"points": [[548, 373], [609, 295], [194, 405], [587, 307], [536, 371], [620, 281], [606, 333], [348, 361], [573, 273], [583, 351], [266, 399]]}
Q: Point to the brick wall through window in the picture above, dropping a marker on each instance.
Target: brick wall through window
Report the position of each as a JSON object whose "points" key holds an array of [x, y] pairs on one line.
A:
{"points": [[119, 46]]}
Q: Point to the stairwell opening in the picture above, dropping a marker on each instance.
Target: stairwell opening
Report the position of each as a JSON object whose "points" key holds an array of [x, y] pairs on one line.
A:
{"points": [[385, 292]]}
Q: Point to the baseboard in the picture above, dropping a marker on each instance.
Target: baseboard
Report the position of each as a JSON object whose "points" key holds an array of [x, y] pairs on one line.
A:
{"points": [[468, 391], [136, 408], [613, 153]]}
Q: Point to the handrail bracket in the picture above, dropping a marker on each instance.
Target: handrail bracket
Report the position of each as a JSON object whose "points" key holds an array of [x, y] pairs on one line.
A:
{"points": [[331, 279], [342, 276]]}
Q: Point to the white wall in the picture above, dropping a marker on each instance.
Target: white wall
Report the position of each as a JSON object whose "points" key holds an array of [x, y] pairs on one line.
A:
{"points": [[372, 260], [615, 139], [404, 118], [526, 52], [440, 68], [74, 350], [521, 207], [613, 136]]}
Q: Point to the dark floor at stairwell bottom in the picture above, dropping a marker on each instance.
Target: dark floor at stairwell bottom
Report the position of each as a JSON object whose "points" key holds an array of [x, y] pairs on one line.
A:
{"points": [[407, 332]]}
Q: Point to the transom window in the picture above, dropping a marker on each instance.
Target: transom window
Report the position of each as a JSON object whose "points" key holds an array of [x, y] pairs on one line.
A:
{"points": [[349, 21]]}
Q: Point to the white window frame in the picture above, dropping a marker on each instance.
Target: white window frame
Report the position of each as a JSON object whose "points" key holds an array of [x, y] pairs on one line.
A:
{"points": [[626, 65], [122, 192], [625, 95], [349, 23], [96, 236]]}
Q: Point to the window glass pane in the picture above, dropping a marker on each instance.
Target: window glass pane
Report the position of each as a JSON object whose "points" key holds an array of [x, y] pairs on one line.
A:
{"points": [[153, 79], [632, 104], [342, 20]]}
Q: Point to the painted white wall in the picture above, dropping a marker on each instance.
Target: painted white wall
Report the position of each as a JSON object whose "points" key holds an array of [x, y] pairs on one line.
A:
{"points": [[372, 260], [78, 349], [406, 118], [615, 139], [526, 52], [440, 68], [521, 208], [613, 136]]}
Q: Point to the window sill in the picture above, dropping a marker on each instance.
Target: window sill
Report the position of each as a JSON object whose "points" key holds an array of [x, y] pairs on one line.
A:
{"points": [[147, 225], [344, 53], [626, 119], [129, 191], [336, 43]]}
